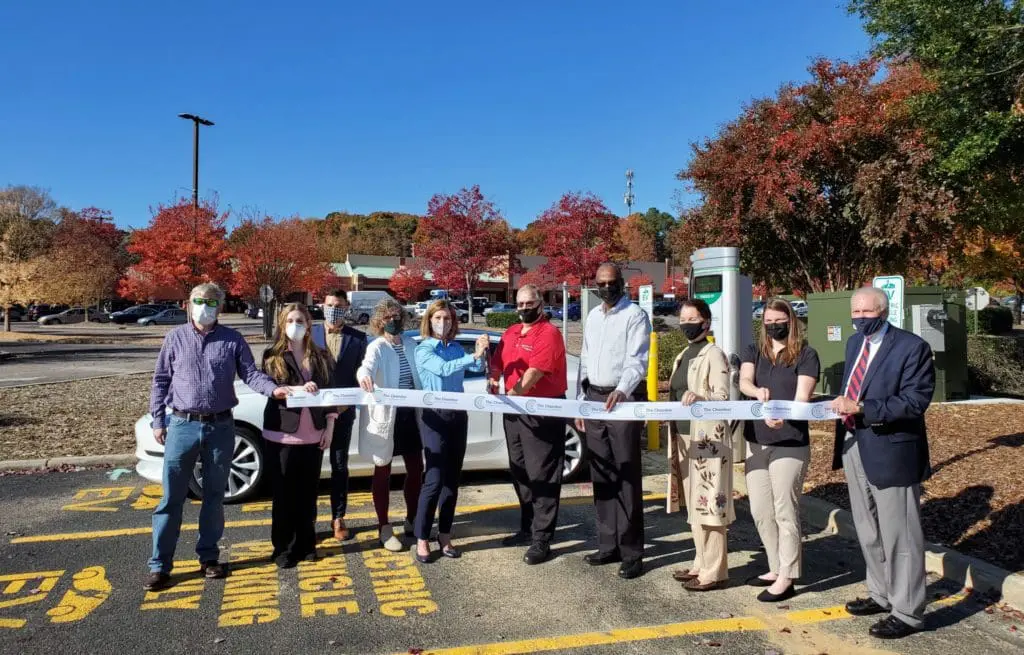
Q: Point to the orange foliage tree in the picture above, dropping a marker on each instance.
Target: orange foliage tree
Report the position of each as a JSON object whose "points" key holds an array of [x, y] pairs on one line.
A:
{"points": [[282, 255]]}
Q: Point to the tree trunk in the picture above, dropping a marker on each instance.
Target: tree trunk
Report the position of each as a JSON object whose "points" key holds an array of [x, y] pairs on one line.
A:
{"points": [[7, 319]]}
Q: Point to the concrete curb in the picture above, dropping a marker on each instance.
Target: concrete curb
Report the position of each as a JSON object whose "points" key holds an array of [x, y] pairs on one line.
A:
{"points": [[964, 570], [125, 459]]}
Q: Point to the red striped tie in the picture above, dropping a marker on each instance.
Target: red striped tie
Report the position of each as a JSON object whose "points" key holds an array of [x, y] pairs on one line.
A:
{"points": [[856, 380]]}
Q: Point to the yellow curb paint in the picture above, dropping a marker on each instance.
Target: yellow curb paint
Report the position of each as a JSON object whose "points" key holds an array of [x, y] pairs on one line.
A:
{"points": [[820, 615], [249, 523], [626, 635]]}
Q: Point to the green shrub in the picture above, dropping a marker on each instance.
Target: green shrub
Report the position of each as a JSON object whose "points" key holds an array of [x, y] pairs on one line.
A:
{"points": [[991, 320], [995, 364], [502, 319], [670, 344]]}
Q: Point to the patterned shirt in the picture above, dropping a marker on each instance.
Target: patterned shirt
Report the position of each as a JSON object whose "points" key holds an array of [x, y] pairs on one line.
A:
{"points": [[404, 370], [195, 372]]}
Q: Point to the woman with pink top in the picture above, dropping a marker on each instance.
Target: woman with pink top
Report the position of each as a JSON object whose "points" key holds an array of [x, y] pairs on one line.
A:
{"points": [[294, 439]]}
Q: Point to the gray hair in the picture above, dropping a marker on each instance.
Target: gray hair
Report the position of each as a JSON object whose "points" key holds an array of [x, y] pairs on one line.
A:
{"points": [[382, 309], [207, 289], [532, 288], [881, 298]]}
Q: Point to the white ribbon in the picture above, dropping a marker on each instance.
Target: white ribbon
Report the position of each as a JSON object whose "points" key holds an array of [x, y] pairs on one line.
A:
{"points": [[729, 410]]}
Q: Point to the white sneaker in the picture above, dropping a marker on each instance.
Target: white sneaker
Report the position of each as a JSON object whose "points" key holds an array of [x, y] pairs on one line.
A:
{"points": [[389, 540]]}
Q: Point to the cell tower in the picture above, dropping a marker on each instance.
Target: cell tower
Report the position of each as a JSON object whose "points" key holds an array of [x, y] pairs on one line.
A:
{"points": [[629, 197]]}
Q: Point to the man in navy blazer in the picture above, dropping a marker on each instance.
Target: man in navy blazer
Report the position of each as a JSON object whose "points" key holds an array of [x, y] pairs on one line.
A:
{"points": [[347, 346], [882, 446]]}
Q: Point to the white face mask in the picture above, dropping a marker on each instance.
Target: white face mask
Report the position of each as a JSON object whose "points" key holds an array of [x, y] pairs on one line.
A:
{"points": [[295, 331], [203, 315], [438, 328]]}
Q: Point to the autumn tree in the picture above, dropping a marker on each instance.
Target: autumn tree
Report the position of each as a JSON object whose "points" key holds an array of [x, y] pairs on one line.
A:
{"points": [[660, 225], [638, 240], [579, 235], [27, 220], [379, 233], [530, 239], [408, 283], [825, 184], [18, 285], [992, 259], [461, 238], [85, 259], [636, 281], [676, 284], [182, 247], [281, 255]]}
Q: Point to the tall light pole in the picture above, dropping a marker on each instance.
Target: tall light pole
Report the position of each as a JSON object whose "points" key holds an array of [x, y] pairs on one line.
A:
{"points": [[196, 122]]}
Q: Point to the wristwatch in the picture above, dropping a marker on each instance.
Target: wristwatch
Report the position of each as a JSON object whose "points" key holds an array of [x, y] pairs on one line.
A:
{"points": [[860, 407]]}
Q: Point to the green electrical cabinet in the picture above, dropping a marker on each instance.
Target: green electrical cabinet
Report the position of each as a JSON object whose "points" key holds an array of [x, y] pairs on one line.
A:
{"points": [[829, 326]]}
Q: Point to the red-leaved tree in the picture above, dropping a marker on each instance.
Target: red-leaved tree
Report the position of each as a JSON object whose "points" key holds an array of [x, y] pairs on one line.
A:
{"points": [[408, 283], [182, 247], [282, 255], [463, 237], [580, 234], [677, 284], [636, 281]]}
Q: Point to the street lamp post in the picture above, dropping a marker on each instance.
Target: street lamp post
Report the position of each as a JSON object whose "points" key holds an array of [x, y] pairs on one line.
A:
{"points": [[196, 122]]}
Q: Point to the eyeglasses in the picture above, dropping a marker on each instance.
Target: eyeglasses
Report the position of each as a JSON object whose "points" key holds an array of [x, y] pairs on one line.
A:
{"points": [[209, 302]]}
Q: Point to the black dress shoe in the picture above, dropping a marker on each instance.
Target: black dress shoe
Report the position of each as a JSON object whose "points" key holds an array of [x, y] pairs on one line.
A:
{"points": [[892, 628], [214, 570], [768, 597], [865, 607], [630, 570], [156, 581], [518, 539], [758, 581], [537, 554], [600, 559]]}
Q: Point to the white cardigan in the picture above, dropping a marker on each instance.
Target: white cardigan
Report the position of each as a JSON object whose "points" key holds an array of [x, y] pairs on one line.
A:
{"points": [[377, 422]]}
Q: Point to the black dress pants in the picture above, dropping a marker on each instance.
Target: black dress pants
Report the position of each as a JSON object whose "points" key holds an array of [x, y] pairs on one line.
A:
{"points": [[294, 476], [536, 452], [340, 443]]}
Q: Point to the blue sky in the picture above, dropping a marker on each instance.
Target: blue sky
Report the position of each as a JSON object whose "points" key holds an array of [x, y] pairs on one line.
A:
{"points": [[378, 105]]}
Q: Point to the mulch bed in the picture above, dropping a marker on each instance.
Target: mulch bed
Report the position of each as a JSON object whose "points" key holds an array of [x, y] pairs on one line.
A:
{"points": [[974, 501]]}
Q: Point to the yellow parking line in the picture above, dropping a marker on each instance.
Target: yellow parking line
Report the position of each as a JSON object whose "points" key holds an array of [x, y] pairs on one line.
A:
{"points": [[819, 615], [625, 635], [249, 523]]}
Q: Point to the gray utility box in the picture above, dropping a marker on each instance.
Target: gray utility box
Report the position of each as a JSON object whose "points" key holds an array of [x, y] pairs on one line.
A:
{"points": [[929, 323]]}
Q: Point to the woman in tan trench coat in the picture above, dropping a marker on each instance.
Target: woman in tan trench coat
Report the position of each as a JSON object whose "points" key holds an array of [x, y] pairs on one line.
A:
{"points": [[701, 452]]}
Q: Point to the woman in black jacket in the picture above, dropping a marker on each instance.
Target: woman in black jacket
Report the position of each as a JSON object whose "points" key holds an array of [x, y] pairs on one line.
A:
{"points": [[294, 439]]}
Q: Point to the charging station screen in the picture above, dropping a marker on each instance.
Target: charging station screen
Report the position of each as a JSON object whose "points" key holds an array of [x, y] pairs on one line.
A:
{"points": [[707, 285]]}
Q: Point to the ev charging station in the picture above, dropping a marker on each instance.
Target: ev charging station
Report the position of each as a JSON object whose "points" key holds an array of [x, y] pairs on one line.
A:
{"points": [[715, 278]]}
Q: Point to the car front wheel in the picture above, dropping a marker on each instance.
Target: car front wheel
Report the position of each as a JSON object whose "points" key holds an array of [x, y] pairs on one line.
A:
{"points": [[575, 463], [247, 468]]}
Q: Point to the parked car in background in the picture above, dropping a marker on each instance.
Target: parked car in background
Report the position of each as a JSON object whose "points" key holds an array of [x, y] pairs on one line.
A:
{"points": [[666, 308], [166, 317], [68, 316], [486, 439], [480, 303], [15, 313], [132, 315], [575, 311], [758, 309], [1008, 301], [553, 312], [800, 308], [39, 310], [364, 302], [500, 307]]}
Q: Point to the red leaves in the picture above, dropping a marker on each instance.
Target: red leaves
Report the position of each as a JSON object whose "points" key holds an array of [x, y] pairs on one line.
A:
{"points": [[581, 234], [636, 281], [182, 247], [282, 255], [408, 283]]}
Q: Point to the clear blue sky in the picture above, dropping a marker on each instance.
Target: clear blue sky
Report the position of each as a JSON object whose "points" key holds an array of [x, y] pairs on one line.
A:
{"points": [[365, 106]]}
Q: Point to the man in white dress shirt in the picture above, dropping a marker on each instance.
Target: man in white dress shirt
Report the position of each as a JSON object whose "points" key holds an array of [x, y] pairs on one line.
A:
{"points": [[613, 367]]}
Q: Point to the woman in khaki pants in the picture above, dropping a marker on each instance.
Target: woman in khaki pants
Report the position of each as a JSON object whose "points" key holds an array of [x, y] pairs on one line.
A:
{"points": [[783, 367], [700, 452]]}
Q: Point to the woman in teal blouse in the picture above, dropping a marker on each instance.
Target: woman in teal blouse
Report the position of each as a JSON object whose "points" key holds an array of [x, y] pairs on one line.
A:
{"points": [[441, 363]]}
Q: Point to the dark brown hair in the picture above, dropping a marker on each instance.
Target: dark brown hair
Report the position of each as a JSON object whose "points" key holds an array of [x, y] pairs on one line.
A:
{"points": [[698, 304]]}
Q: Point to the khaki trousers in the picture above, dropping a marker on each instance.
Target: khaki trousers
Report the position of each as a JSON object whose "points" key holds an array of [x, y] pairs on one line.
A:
{"points": [[775, 479], [711, 560]]}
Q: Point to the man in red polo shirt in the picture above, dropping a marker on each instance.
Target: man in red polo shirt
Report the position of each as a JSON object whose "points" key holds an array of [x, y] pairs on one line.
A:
{"points": [[531, 357]]}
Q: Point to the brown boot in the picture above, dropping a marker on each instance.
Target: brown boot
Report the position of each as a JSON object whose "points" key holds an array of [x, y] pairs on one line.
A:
{"points": [[341, 533]]}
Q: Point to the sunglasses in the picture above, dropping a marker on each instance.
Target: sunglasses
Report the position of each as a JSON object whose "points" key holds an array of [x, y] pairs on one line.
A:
{"points": [[205, 301], [605, 285]]}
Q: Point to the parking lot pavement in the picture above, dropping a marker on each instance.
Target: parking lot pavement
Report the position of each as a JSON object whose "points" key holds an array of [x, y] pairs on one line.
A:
{"points": [[55, 362], [73, 548]]}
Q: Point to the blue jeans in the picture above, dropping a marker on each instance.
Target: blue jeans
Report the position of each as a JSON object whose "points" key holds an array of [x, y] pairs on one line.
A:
{"points": [[186, 442]]}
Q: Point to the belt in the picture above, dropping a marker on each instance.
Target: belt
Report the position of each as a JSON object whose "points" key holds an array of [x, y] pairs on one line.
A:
{"points": [[604, 390], [203, 418]]}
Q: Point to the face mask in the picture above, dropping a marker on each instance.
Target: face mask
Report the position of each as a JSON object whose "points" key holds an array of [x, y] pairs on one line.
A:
{"points": [[777, 331], [393, 327], [611, 293], [692, 330], [437, 329], [335, 315], [529, 315], [295, 331], [203, 315], [868, 326]]}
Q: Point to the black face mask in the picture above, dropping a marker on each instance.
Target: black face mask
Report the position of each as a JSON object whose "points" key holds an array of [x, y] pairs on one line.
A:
{"points": [[869, 325], [692, 330], [529, 315], [777, 331], [611, 293], [393, 327]]}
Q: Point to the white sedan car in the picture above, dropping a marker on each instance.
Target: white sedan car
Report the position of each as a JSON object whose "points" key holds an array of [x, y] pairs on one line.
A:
{"points": [[486, 449]]}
